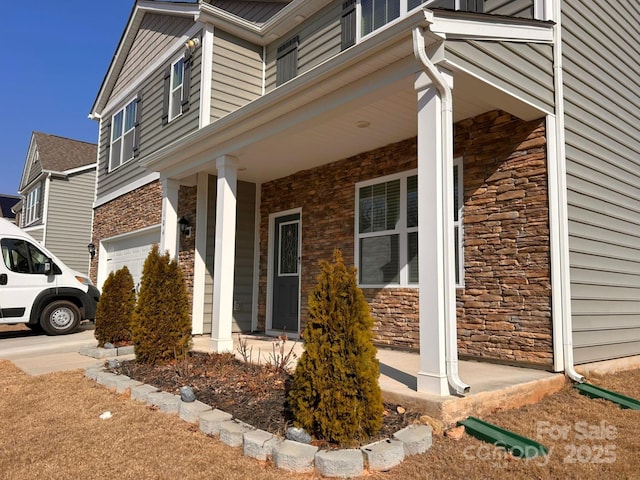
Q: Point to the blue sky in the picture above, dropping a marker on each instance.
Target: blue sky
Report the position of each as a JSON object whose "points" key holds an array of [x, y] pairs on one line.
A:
{"points": [[54, 57]]}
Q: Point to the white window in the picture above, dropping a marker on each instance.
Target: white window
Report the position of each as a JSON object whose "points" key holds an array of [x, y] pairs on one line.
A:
{"points": [[123, 135], [387, 229], [458, 205], [377, 13], [177, 87], [32, 206]]}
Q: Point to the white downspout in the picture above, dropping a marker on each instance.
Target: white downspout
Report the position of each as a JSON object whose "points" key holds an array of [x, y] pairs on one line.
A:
{"points": [[565, 283], [451, 334]]}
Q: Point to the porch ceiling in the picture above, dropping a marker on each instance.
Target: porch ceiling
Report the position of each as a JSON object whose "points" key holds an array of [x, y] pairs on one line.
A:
{"points": [[372, 120]]}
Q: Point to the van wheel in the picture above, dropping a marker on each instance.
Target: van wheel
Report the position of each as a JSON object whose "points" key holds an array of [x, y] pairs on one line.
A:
{"points": [[60, 317]]}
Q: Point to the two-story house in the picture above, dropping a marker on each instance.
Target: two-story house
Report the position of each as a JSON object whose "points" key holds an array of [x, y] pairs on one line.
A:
{"points": [[57, 188], [477, 161]]}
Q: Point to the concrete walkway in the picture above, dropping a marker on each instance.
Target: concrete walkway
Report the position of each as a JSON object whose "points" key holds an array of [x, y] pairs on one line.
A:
{"points": [[492, 386]]}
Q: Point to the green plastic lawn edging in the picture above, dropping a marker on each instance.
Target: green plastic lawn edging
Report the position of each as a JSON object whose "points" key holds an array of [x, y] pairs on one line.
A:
{"points": [[517, 445], [597, 392]]}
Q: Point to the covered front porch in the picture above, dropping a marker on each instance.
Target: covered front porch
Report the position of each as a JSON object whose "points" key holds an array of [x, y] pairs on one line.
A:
{"points": [[405, 82], [494, 386]]}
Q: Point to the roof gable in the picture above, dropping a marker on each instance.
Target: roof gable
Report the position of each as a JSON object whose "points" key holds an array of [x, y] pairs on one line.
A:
{"points": [[55, 154]]}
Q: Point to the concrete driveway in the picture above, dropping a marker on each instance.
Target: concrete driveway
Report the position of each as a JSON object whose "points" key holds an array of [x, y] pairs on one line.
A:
{"points": [[37, 353]]}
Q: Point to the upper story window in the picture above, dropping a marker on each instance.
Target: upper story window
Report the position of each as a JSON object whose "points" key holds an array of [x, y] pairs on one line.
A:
{"points": [[177, 83], [387, 229], [124, 126], [176, 89], [287, 61], [32, 206], [377, 13]]}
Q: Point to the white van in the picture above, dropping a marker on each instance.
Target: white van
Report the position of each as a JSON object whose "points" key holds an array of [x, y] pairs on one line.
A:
{"points": [[38, 289]]}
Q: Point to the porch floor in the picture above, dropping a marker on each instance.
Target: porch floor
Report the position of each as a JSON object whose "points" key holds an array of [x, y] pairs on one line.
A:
{"points": [[493, 386]]}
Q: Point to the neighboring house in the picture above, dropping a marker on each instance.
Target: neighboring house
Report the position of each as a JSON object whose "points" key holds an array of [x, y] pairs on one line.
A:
{"points": [[58, 187], [7, 203], [477, 161]]}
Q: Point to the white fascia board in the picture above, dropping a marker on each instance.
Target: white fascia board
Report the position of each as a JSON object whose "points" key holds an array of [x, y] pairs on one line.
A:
{"points": [[231, 23], [500, 30], [181, 9], [71, 171], [278, 25]]}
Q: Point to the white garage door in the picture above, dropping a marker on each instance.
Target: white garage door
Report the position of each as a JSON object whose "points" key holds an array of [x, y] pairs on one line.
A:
{"points": [[131, 251]]}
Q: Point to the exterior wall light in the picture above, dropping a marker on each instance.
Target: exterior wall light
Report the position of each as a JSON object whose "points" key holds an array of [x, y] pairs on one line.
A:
{"points": [[185, 228], [92, 250]]}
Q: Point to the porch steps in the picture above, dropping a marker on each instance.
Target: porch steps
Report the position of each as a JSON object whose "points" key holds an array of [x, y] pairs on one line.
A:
{"points": [[517, 445], [597, 392]]}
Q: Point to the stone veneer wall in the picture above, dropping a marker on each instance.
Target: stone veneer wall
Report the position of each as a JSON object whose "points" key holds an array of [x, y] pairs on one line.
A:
{"points": [[504, 309], [132, 211], [142, 208], [327, 197]]}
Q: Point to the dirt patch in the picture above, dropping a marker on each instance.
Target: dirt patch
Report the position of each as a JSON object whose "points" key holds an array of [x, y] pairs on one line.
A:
{"points": [[51, 430], [254, 394]]}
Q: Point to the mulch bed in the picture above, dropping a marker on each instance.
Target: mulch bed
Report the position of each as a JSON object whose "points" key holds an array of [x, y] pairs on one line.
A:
{"points": [[254, 394]]}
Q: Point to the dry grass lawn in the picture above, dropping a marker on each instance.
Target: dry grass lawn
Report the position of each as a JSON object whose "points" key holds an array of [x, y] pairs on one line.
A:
{"points": [[50, 429]]}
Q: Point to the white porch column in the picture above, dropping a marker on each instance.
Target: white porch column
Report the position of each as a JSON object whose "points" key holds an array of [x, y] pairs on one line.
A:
{"points": [[223, 269], [199, 264], [435, 245], [169, 230]]}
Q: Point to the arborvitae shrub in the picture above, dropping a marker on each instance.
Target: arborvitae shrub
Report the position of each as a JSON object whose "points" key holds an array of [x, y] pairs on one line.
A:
{"points": [[161, 327], [115, 309], [334, 393]]}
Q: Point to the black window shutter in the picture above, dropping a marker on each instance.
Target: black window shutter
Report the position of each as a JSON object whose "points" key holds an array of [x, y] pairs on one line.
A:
{"points": [[186, 84], [167, 92], [348, 24], [472, 6], [108, 147], [287, 61], [136, 132]]}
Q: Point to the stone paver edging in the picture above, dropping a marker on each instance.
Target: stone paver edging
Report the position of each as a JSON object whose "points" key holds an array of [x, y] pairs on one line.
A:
{"points": [[286, 454]]}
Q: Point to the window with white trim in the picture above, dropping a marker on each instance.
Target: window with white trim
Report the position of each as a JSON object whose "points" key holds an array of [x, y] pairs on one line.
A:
{"points": [[123, 135], [32, 206], [377, 13], [177, 87], [458, 234], [387, 229]]}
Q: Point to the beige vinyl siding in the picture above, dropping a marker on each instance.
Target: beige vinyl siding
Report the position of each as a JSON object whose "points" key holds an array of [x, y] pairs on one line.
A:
{"points": [[318, 40], [210, 255], [244, 256], [602, 117], [69, 218], [37, 233], [156, 35], [35, 169], [510, 8], [153, 134], [525, 69], [236, 74]]}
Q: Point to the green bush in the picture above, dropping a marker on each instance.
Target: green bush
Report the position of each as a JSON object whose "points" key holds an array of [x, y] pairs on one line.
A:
{"points": [[161, 327], [115, 309], [334, 393]]}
